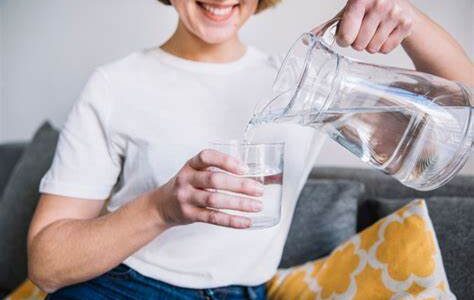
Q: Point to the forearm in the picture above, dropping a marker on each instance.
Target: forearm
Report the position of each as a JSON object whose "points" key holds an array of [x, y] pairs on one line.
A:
{"points": [[71, 251], [435, 51]]}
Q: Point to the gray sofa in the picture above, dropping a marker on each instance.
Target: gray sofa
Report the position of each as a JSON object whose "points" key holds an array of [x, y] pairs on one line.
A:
{"points": [[334, 205]]}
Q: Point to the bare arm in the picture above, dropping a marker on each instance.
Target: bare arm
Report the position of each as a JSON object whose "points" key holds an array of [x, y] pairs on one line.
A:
{"points": [[69, 243], [435, 51]]}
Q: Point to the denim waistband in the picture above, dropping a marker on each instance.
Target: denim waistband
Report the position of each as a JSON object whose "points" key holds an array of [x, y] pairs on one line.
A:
{"points": [[123, 282]]}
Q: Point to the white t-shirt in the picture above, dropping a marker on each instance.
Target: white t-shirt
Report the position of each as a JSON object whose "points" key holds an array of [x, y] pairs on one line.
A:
{"points": [[135, 125]]}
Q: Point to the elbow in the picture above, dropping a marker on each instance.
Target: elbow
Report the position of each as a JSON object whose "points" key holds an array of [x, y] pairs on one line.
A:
{"points": [[43, 279], [41, 270], [43, 282]]}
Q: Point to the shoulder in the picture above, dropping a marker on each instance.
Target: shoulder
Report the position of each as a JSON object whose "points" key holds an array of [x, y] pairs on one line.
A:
{"points": [[134, 62], [101, 87]]}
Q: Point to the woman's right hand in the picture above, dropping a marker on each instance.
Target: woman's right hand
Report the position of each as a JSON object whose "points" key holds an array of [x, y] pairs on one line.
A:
{"points": [[188, 196]]}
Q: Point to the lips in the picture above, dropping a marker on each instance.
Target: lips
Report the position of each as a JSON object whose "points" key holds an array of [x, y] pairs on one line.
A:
{"points": [[217, 12]]}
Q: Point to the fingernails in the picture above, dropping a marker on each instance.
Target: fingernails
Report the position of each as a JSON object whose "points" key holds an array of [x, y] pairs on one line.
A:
{"points": [[245, 223], [371, 50]]}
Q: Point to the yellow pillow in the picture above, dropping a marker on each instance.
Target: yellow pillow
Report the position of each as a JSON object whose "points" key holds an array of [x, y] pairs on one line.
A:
{"points": [[396, 258], [27, 291]]}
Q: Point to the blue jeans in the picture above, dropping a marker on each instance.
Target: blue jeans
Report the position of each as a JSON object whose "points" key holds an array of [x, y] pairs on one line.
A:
{"points": [[125, 283]]}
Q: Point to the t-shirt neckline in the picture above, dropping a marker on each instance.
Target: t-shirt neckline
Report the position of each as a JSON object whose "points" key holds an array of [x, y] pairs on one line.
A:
{"points": [[205, 67]]}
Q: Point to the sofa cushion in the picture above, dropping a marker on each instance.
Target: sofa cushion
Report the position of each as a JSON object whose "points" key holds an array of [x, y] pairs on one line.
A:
{"points": [[325, 216], [9, 155], [454, 226], [19, 200]]}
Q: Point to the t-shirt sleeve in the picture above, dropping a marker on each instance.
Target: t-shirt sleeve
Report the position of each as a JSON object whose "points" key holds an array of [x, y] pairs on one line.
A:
{"points": [[86, 164]]}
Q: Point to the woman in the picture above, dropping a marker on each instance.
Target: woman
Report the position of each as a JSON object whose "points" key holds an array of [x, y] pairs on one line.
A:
{"points": [[137, 135]]}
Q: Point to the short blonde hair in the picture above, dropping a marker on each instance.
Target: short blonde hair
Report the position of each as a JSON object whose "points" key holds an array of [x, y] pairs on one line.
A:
{"points": [[262, 4]]}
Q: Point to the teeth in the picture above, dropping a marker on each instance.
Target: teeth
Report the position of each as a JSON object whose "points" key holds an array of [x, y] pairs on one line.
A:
{"points": [[218, 11]]}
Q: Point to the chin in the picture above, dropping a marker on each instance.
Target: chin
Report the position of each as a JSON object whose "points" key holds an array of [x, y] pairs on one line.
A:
{"points": [[217, 36]]}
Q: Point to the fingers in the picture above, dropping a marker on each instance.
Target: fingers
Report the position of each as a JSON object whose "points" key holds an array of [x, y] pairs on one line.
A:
{"points": [[212, 158], [382, 34], [192, 213], [350, 23], [395, 39], [375, 25], [223, 201], [227, 182], [367, 30], [219, 218]]}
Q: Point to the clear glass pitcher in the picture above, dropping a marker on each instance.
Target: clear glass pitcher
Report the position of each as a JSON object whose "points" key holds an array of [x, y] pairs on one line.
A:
{"points": [[413, 126]]}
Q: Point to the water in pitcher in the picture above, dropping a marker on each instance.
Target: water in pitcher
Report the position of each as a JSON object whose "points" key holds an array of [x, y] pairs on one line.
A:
{"points": [[412, 146]]}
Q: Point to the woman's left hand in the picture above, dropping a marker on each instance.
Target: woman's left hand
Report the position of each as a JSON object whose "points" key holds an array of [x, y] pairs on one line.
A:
{"points": [[375, 25]]}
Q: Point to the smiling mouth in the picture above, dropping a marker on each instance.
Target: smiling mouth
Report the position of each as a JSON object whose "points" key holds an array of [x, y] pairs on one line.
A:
{"points": [[217, 12]]}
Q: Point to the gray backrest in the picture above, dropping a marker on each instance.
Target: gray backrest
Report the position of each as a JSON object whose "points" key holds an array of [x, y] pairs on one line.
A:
{"points": [[9, 155], [379, 185]]}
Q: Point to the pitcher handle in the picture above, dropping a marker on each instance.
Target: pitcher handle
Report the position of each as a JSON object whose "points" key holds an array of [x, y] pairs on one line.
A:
{"points": [[324, 31]]}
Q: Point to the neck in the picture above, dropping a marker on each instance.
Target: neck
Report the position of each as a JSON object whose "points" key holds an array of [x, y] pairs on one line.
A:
{"points": [[185, 44]]}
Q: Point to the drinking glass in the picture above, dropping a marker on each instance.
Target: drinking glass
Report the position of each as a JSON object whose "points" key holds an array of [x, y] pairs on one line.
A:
{"points": [[265, 165]]}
